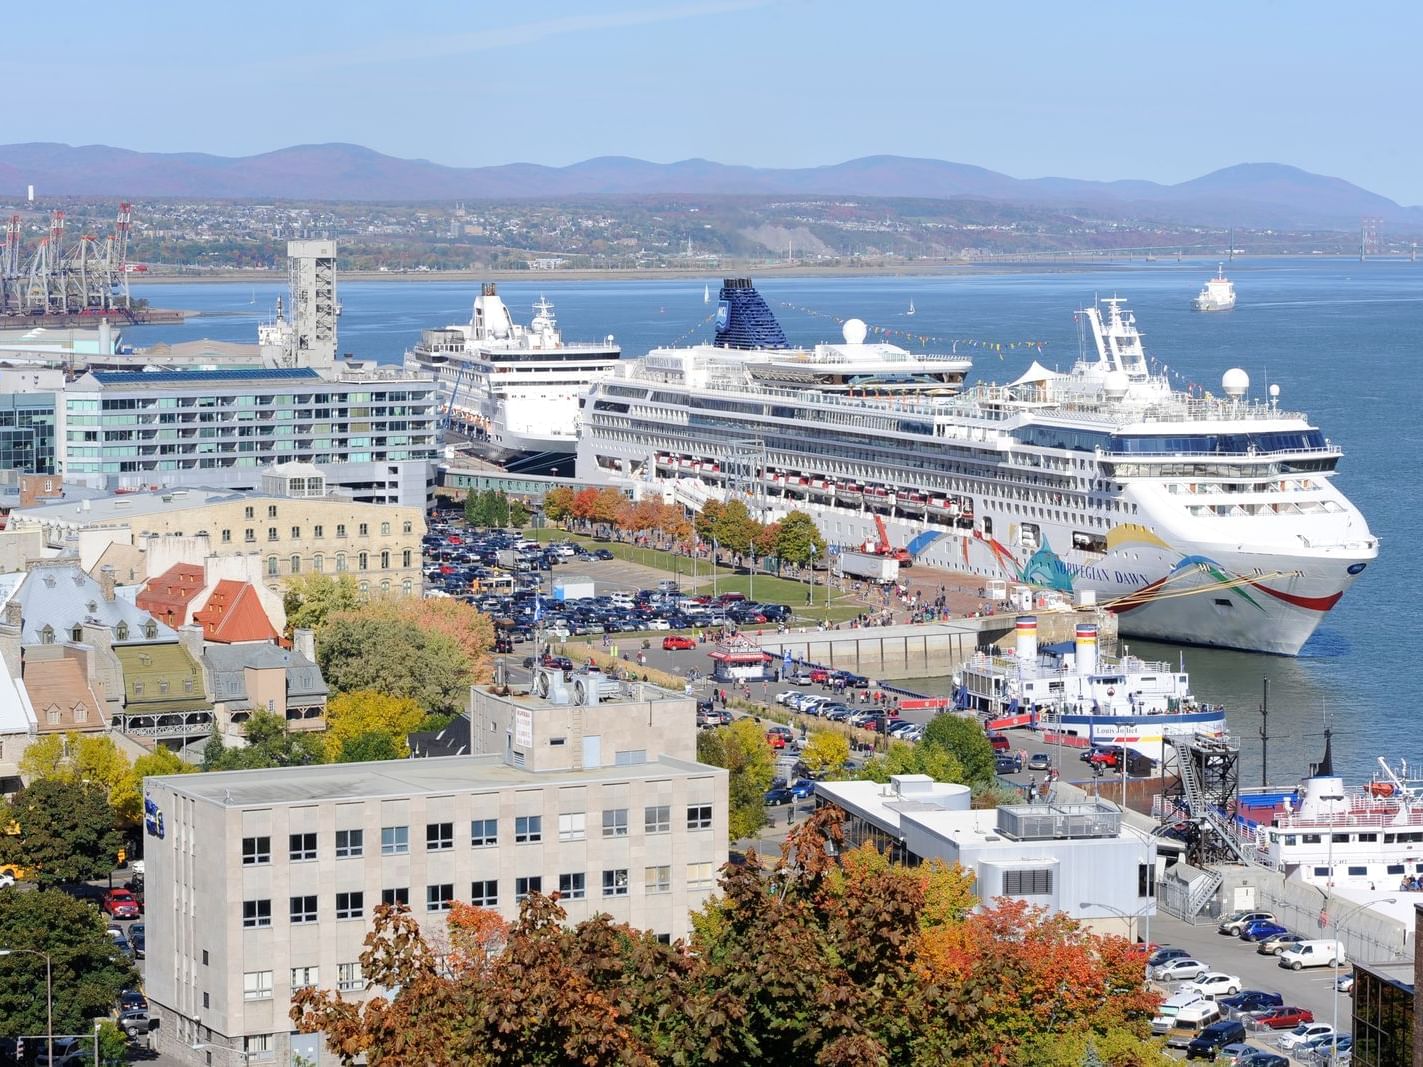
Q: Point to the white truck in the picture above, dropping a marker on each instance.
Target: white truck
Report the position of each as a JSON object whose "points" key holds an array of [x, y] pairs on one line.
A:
{"points": [[867, 565], [1313, 954], [1172, 1006]]}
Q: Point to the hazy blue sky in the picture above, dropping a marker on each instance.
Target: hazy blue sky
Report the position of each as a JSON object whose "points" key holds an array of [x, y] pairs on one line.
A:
{"points": [[1089, 90]]}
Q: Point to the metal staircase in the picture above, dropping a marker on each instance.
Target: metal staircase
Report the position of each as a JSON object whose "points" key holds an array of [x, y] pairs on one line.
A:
{"points": [[1205, 809]]}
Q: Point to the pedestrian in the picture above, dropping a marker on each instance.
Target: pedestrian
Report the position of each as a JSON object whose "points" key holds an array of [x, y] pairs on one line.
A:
{"points": [[1032, 789]]}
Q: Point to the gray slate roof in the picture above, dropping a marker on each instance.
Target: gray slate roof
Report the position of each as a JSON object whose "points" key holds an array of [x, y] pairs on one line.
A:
{"points": [[228, 662], [64, 596]]}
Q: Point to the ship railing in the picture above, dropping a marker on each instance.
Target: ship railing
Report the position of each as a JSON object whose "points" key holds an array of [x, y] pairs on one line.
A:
{"points": [[1403, 816]]}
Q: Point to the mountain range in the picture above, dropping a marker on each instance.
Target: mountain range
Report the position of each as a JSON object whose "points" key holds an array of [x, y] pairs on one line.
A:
{"points": [[1245, 195]]}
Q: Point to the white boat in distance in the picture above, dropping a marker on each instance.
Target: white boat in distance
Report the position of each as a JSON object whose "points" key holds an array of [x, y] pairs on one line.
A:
{"points": [[1218, 294], [1210, 520]]}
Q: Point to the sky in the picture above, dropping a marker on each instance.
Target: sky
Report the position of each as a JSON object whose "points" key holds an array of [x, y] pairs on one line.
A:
{"points": [[1101, 90]]}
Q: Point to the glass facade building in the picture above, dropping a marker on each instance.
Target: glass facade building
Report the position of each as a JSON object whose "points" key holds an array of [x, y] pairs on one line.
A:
{"points": [[1383, 1016], [27, 432]]}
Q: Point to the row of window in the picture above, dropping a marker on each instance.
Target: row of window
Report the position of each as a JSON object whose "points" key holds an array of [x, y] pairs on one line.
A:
{"points": [[257, 914], [257, 985], [483, 833], [318, 530], [318, 562]]}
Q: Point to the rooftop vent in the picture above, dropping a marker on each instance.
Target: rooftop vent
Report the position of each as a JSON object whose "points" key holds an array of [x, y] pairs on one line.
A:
{"points": [[1045, 822]]}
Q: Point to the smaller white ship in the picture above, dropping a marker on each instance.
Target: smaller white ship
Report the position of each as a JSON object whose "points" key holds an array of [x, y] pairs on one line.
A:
{"points": [[1218, 294], [706, 294], [911, 308]]}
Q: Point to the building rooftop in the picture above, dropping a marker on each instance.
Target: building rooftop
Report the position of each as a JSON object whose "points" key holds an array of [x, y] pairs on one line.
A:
{"points": [[233, 613], [229, 664], [398, 778], [116, 506], [204, 377], [55, 598], [885, 803], [1400, 973]]}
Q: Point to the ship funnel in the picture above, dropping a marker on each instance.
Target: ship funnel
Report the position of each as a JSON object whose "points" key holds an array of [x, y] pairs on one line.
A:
{"points": [[743, 320], [1086, 648], [1027, 628]]}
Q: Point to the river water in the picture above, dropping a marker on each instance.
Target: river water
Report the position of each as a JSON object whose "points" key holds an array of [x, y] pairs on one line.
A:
{"points": [[1340, 338]]}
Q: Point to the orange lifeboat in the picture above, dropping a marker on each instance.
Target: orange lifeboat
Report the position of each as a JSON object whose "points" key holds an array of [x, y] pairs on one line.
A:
{"points": [[1381, 789]]}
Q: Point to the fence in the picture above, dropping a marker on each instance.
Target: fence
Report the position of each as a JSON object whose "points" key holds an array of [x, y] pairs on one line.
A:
{"points": [[1367, 935]]}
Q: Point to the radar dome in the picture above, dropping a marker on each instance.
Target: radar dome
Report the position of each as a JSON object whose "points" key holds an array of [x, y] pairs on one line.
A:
{"points": [[1235, 382], [1116, 384], [1274, 392], [854, 331]]}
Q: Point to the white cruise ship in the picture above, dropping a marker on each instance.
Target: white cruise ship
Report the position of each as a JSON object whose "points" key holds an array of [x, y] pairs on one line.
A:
{"points": [[1200, 519], [515, 389], [1218, 294]]}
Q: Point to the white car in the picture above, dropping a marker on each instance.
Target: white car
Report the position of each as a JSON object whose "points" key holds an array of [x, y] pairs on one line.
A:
{"points": [[1302, 1033], [6, 880], [785, 698], [1215, 984], [658, 624], [1179, 970]]}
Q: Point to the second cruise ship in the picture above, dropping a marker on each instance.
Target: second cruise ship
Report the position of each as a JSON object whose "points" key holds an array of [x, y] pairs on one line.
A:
{"points": [[1201, 519]]}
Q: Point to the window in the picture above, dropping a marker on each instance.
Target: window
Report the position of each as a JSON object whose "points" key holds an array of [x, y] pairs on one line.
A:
{"points": [[340, 529], [572, 826], [439, 836], [615, 822], [528, 829], [257, 985], [256, 850], [350, 843], [394, 840], [1027, 883], [439, 897], [256, 913], [340, 563], [405, 558], [303, 847], [271, 533], [317, 563], [205, 957], [484, 833], [657, 880], [657, 819], [573, 886], [699, 817], [396, 897], [1145, 880], [615, 883], [363, 561], [304, 977], [629, 757], [205, 1000], [484, 894], [699, 875], [524, 886], [271, 566], [1321, 872], [271, 511], [303, 910], [248, 513], [296, 533], [385, 561], [257, 1046], [350, 905], [296, 564], [227, 537], [364, 530], [348, 977], [249, 535], [1358, 872], [317, 531], [407, 527], [385, 529]]}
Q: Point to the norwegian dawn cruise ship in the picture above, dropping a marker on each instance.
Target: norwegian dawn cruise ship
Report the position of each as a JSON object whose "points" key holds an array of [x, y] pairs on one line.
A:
{"points": [[515, 388], [1207, 520]]}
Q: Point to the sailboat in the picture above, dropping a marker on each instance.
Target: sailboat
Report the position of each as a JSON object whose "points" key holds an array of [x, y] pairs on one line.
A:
{"points": [[911, 308], [706, 294]]}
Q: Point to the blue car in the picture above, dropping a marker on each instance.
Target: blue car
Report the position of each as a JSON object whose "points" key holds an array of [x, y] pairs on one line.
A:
{"points": [[1251, 1000], [1261, 929], [778, 796], [803, 789]]}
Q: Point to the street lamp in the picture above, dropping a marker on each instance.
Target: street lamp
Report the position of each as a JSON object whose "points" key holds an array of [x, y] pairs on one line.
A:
{"points": [[244, 1056], [1339, 925], [1144, 912], [48, 992]]}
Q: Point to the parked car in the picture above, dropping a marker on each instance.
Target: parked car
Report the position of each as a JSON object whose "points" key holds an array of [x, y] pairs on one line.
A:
{"points": [[1179, 970], [1008, 764], [1103, 757], [603, 554], [1164, 954], [132, 1000], [1217, 984], [1345, 983], [1236, 1051], [1261, 929], [1318, 1048], [678, 643], [6, 880], [1313, 954], [136, 937], [121, 904], [785, 733], [136, 1023], [999, 743], [1040, 761], [779, 795], [1284, 1017], [1250, 1000], [803, 789], [1236, 921], [1273, 946], [1263, 1059], [1302, 1033], [1214, 1037]]}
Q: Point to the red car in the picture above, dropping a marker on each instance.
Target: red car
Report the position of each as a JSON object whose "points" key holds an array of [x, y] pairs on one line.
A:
{"points": [[819, 675], [731, 598], [121, 904], [676, 642], [1284, 1018]]}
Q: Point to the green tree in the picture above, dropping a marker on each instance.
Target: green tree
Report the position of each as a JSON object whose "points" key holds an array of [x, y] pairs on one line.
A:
{"points": [[965, 740], [735, 530], [364, 712], [310, 599], [518, 514], [68, 831], [826, 753], [798, 539], [395, 656], [269, 744], [88, 972], [368, 748], [742, 749], [705, 521], [904, 758]]}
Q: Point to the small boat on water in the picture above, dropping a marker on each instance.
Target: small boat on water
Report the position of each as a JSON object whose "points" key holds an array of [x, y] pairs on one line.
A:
{"points": [[1218, 294], [911, 308]]}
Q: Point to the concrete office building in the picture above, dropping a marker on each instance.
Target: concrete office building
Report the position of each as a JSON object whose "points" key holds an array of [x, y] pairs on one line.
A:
{"points": [[260, 882], [371, 428]]}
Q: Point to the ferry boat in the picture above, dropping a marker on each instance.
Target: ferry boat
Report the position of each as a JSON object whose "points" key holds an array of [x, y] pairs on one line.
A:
{"points": [[514, 388], [1218, 294], [1198, 519], [1072, 690], [1368, 838]]}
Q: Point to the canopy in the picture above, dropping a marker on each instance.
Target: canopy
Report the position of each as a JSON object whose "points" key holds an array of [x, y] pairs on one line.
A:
{"points": [[1037, 373]]}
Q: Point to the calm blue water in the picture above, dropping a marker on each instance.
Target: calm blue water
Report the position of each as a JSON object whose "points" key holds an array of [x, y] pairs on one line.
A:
{"points": [[1340, 338]]}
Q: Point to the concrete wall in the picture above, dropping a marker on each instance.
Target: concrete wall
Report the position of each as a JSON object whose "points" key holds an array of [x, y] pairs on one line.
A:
{"points": [[883, 651]]}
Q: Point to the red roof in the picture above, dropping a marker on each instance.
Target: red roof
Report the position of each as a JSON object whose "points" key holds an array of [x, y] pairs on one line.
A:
{"points": [[169, 596], [234, 614]]}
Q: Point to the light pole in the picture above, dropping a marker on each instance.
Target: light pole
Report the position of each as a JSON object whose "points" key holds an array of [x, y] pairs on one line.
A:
{"points": [[1339, 926], [48, 992], [244, 1057], [1144, 912]]}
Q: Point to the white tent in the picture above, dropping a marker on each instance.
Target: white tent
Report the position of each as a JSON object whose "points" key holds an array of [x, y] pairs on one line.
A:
{"points": [[1037, 374]]}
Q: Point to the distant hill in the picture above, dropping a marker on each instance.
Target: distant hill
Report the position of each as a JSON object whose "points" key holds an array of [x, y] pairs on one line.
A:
{"points": [[1247, 195]]}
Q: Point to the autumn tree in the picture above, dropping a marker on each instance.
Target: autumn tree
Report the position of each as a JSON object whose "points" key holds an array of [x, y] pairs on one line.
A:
{"points": [[558, 504], [798, 539], [310, 599], [269, 743], [735, 530], [741, 748], [826, 753], [585, 506], [706, 519], [919, 758], [363, 713], [383, 651], [608, 506]]}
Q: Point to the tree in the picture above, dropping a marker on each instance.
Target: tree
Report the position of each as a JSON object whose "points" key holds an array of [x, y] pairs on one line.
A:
{"points": [[269, 744], [965, 740], [364, 713], [608, 506], [310, 599], [735, 530], [798, 539], [368, 747], [904, 758], [67, 831], [826, 753], [742, 749], [705, 521], [386, 653], [88, 972], [518, 514], [585, 505], [558, 504], [471, 630], [767, 540], [93, 758]]}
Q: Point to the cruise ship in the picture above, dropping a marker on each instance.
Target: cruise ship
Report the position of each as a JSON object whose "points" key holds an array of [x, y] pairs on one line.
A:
{"points": [[514, 388], [1198, 519]]}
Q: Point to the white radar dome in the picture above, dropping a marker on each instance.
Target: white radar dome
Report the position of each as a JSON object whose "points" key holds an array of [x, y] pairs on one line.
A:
{"points": [[1274, 392], [1116, 384], [854, 331], [1235, 382]]}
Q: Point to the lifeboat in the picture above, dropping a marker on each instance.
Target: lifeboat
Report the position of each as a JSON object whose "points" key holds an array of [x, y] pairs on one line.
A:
{"points": [[1381, 789], [850, 493]]}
